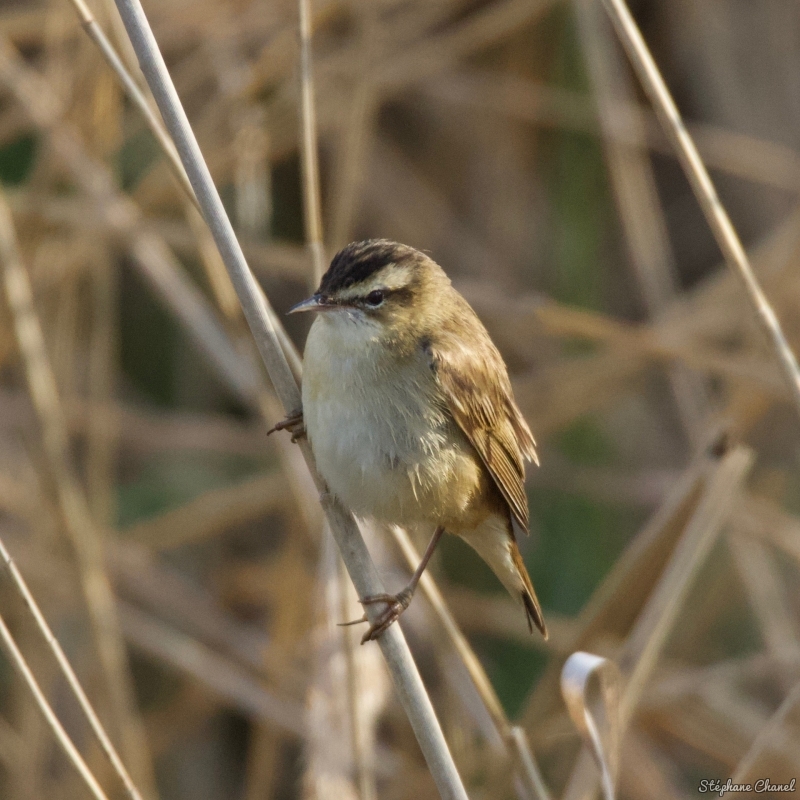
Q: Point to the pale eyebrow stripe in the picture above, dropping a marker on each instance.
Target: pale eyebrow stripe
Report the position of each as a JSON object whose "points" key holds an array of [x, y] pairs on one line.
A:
{"points": [[391, 277]]}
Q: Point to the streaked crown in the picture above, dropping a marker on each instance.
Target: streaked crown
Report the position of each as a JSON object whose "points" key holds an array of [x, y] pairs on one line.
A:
{"points": [[355, 264]]}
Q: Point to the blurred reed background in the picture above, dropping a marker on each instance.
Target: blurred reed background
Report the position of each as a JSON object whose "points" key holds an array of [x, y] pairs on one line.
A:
{"points": [[172, 547]]}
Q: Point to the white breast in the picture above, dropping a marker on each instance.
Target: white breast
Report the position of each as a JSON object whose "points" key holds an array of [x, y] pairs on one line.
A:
{"points": [[380, 437]]}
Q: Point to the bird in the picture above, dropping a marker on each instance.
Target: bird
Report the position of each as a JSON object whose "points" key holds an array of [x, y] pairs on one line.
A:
{"points": [[410, 415]]}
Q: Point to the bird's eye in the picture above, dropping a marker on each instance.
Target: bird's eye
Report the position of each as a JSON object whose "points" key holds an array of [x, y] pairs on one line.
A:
{"points": [[375, 298]]}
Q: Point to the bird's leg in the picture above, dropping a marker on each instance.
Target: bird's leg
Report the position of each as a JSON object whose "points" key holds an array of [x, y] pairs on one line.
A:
{"points": [[397, 603], [292, 423]]}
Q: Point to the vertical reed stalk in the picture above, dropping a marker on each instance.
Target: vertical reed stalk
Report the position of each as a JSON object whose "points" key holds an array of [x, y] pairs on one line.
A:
{"points": [[308, 152]]}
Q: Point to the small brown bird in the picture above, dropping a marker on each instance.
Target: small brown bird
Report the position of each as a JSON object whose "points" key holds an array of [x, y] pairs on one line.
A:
{"points": [[410, 414]]}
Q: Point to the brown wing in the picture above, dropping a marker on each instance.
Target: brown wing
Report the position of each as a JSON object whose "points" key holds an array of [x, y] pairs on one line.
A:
{"points": [[474, 381]]}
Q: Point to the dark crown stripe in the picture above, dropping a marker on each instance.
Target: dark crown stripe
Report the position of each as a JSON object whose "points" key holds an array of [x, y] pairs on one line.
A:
{"points": [[356, 262]]}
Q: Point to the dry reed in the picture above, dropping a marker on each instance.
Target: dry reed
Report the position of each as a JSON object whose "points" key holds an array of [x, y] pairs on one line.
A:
{"points": [[507, 139]]}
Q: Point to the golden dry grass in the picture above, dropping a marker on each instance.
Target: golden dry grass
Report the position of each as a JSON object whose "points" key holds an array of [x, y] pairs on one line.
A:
{"points": [[176, 552]]}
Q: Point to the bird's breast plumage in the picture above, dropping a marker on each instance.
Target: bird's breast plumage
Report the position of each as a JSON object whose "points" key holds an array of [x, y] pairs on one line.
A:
{"points": [[382, 437]]}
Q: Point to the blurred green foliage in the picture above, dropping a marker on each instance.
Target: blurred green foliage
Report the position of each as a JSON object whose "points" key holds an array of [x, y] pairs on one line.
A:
{"points": [[136, 156], [17, 159], [149, 342], [573, 169], [172, 480]]}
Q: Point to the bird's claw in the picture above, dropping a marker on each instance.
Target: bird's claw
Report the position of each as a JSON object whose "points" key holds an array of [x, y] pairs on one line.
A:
{"points": [[396, 605], [293, 423], [353, 622]]}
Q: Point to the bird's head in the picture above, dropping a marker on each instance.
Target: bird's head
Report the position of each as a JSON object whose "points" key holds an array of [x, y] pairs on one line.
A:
{"points": [[377, 281]]}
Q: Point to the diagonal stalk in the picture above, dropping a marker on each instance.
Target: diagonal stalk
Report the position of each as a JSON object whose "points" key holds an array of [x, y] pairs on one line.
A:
{"points": [[72, 679], [704, 190], [362, 571]]}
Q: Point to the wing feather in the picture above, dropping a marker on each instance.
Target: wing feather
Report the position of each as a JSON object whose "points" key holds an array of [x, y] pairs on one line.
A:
{"points": [[474, 382]]}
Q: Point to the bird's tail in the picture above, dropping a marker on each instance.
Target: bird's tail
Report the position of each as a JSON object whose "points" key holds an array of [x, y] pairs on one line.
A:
{"points": [[529, 599], [495, 544]]}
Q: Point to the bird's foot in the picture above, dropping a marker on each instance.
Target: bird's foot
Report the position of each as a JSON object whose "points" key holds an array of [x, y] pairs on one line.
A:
{"points": [[396, 604], [293, 423]]}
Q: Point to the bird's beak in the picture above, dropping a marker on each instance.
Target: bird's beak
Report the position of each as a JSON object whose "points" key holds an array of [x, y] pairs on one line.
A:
{"points": [[317, 302]]}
